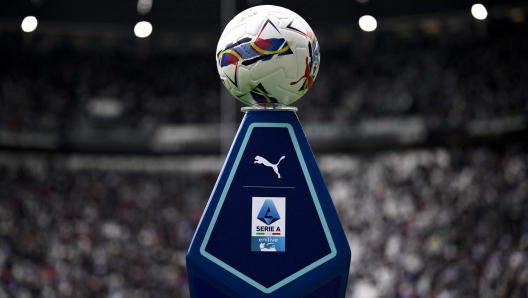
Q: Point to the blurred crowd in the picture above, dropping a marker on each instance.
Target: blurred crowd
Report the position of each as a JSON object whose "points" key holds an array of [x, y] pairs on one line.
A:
{"points": [[434, 223], [67, 233], [449, 78], [50, 91], [421, 224]]}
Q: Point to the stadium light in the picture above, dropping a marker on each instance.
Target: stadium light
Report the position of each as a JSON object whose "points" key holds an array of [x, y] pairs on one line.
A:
{"points": [[29, 24], [144, 6], [479, 12], [143, 29], [368, 23]]}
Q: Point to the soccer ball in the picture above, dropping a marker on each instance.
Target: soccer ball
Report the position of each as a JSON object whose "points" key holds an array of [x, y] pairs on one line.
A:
{"points": [[267, 54]]}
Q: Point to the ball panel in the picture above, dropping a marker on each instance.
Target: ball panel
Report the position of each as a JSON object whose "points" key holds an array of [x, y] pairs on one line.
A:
{"points": [[270, 82], [262, 90], [254, 23], [231, 36], [289, 65]]}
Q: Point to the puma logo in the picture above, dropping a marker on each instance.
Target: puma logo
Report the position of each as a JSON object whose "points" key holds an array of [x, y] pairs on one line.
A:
{"points": [[261, 160]]}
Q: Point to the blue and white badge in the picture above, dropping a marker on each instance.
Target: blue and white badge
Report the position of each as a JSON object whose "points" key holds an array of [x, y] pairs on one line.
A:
{"points": [[268, 224]]}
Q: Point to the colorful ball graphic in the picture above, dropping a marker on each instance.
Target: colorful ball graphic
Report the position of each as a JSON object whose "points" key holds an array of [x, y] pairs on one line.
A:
{"points": [[268, 55]]}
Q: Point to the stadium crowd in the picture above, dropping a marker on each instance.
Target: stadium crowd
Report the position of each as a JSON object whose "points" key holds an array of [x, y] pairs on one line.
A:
{"points": [[46, 91], [449, 78], [421, 223], [96, 234], [435, 223]]}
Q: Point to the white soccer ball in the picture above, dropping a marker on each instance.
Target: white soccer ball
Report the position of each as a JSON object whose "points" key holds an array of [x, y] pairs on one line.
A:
{"points": [[267, 54]]}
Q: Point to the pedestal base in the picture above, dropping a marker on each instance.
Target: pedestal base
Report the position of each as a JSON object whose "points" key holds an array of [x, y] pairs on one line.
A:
{"points": [[270, 228]]}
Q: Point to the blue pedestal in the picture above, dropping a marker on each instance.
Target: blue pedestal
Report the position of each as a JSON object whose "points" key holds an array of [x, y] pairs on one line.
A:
{"points": [[270, 228]]}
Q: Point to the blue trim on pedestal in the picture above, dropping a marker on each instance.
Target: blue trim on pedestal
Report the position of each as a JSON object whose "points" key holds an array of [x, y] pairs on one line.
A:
{"points": [[314, 197]]}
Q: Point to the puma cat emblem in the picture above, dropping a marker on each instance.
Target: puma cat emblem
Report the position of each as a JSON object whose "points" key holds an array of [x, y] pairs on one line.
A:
{"points": [[261, 160]]}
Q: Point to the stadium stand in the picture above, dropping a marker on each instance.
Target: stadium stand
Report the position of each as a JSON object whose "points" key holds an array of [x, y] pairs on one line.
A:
{"points": [[451, 79], [421, 223]]}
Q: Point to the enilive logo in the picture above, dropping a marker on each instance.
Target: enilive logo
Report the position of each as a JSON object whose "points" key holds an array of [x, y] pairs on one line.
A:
{"points": [[270, 237]]}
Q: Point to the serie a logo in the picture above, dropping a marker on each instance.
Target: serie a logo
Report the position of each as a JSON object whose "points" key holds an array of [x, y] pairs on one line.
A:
{"points": [[271, 236]]}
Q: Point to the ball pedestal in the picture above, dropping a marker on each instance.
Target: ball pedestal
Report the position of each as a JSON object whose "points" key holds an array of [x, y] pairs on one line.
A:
{"points": [[270, 228]]}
